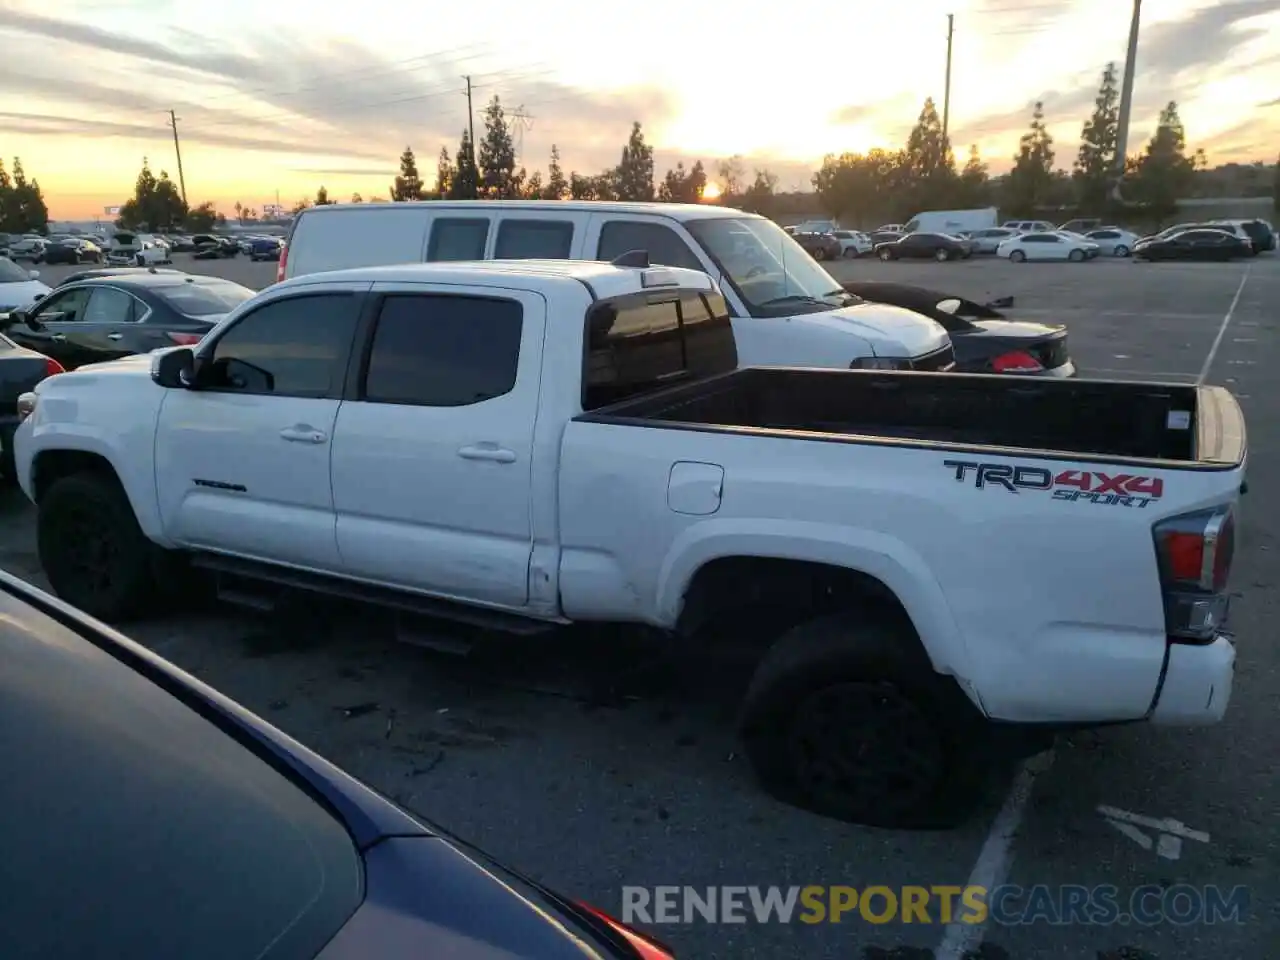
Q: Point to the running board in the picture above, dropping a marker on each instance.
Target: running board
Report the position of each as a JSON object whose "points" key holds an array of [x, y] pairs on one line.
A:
{"points": [[429, 607]]}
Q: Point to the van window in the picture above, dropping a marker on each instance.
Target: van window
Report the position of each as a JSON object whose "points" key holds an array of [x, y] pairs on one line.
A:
{"points": [[458, 239], [647, 341], [534, 240], [664, 245], [442, 350], [912, 225]]}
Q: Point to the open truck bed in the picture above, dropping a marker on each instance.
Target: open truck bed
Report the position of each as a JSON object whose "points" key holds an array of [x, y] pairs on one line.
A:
{"points": [[1175, 425]]}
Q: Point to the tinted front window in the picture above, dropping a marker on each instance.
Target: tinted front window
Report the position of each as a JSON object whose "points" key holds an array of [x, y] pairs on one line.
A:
{"points": [[204, 299], [67, 308], [458, 239], [10, 272], [438, 350], [645, 342], [297, 347], [534, 240], [134, 827]]}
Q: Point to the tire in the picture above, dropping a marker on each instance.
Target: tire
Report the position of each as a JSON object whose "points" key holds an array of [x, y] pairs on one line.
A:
{"points": [[885, 256], [942, 256], [1076, 256], [911, 762], [91, 547], [140, 260], [1018, 256], [1120, 251], [819, 254]]}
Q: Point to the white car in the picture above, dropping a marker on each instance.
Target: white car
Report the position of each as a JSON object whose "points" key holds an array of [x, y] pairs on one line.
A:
{"points": [[1056, 245], [1113, 241], [18, 287], [1029, 226], [853, 243], [530, 444]]}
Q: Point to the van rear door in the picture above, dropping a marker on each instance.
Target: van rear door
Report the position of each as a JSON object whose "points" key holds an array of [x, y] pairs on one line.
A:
{"points": [[364, 235]]}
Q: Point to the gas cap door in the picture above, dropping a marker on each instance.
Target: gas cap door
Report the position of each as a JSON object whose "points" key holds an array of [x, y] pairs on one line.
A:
{"points": [[695, 488]]}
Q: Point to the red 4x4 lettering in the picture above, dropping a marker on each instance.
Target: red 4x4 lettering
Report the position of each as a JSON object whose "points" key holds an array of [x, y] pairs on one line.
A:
{"points": [[1114, 484], [1072, 478], [1145, 486]]}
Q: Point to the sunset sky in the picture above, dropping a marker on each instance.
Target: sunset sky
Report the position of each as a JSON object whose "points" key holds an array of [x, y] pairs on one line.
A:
{"points": [[286, 96]]}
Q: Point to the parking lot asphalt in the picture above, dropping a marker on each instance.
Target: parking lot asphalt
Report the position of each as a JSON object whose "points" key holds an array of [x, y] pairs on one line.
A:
{"points": [[591, 775]]}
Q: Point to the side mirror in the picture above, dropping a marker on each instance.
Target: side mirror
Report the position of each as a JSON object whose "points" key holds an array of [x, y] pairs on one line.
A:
{"points": [[174, 368], [33, 274]]}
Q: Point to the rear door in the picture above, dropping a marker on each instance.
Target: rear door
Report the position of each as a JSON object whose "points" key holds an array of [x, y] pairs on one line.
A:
{"points": [[433, 445]]}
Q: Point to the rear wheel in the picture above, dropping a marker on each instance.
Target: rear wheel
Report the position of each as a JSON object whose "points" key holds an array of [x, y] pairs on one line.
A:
{"points": [[1076, 256], [885, 255], [819, 254], [1017, 256], [91, 547], [1121, 251], [942, 256], [846, 717]]}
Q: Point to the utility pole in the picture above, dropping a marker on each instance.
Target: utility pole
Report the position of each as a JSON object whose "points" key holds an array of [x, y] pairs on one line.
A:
{"points": [[1126, 102], [471, 127], [177, 148], [946, 96]]}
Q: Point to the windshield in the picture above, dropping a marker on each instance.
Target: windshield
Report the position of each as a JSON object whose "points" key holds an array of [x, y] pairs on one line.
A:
{"points": [[204, 299], [10, 272], [765, 266]]}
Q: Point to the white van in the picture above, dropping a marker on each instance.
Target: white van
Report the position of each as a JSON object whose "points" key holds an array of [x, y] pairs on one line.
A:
{"points": [[953, 221], [787, 310]]}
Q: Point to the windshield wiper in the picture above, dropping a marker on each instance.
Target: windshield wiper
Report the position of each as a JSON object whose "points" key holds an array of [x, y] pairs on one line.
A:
{"points": [[795, 298]]}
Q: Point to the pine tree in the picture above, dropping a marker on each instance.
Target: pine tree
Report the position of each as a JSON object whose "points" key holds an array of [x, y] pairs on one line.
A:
{"points": [[1099, 140], [408, 185], [1164, 171], [929, 164], [557, 186], [974, 180], [465, 182], [444, 174], [1030, 182], [322, 197], [633, 178], [533, 188], [498, 180]]}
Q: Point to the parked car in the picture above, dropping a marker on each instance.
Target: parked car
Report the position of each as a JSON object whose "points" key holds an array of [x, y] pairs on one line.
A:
{"points": [[764, 274], [73, 251], [1046, 246], [210, 834], [27, 248], [138, 249], [820, 246], [111, 272], [890, 228], [19, 287], [91, 321], [985, 340], [1113, 241], [952, 222], [827, 514], [1199, 244], [1029, 226], [924, 246], [986, 241], [265, 248], [1258, 232], [852, 243], [20, 370], [1082, 225], [215, 248]]}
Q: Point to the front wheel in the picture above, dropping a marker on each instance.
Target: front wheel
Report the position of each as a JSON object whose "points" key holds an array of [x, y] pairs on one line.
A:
{"points": [[846, 717], [819, 254], [1018, 256], [885, 256], [91, 547], [1076, 256], [1121, 251], [139, 261], [941, 256]]}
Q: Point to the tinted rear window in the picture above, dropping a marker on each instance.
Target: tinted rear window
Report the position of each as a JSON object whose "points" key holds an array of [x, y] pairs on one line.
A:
{"points": [[534, 240], [204, 299], [458, 239], [645, 342], [133, 827]]}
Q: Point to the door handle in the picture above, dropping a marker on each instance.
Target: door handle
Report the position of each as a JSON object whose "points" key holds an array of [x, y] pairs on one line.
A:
{"points": [[487, 451], [303, 434], [115, 336], [58, 337]]}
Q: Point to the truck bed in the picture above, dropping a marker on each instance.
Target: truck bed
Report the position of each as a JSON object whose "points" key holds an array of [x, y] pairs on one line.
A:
{"points": [[1176, 424]]}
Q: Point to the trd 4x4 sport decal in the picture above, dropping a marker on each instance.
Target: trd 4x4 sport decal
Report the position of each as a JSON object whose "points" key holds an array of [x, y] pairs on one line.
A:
{"points": [[1115, 489]]}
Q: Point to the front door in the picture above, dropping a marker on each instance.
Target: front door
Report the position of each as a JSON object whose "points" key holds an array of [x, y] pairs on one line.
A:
{"points": [[242, 461], [433, 481]]}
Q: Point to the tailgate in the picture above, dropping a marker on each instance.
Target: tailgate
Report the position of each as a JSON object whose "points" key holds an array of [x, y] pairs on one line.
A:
{"points": [[1220, 438]]}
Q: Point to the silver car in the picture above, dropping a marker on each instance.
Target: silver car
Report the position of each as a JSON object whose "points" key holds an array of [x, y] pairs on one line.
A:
{"points": [[1113, 241], [986, 241]]}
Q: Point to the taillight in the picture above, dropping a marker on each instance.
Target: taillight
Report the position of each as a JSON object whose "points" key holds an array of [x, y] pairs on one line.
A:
{"points": [[1194, 553], [645, 947], [52, 366], [1016, 361], [185, 339], [282, 263]]}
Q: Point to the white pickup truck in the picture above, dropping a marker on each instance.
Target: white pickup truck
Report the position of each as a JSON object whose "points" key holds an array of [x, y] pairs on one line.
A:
{"points": [[535, 443]]}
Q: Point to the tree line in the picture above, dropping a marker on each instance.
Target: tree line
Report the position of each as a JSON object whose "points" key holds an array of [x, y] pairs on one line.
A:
{"points": [[22, 206], [923, 175]]}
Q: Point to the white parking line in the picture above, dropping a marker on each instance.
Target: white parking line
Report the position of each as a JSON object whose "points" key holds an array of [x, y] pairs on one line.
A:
{"points": [[995, 858], [1222, 330]]}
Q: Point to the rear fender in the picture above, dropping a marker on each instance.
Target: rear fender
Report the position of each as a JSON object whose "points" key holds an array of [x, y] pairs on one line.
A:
{"points": [[889, 560]]}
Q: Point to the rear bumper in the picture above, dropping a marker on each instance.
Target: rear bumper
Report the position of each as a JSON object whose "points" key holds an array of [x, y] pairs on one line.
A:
{"points": [[1197, 684], [1067, 369]]}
